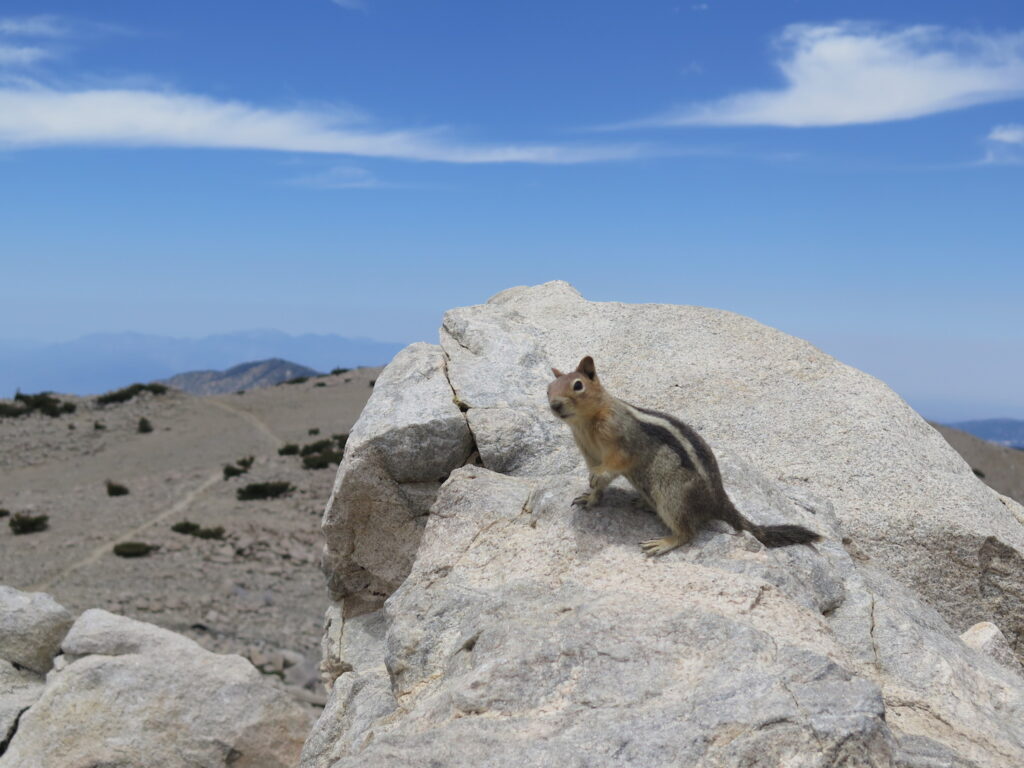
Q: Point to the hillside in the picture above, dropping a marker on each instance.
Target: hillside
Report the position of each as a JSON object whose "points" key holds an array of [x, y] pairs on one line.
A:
{"points": [[1001, 468], [1008, 432], [256, 591], [255, 375], [103, 361]]}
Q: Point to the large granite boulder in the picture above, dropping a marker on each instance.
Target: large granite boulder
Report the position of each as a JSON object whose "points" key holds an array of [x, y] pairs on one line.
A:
{"points": [[518, 630], [126, 693]]}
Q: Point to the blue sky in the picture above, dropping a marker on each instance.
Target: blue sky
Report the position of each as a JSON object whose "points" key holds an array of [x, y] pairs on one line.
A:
{"points": [[850, 172]]}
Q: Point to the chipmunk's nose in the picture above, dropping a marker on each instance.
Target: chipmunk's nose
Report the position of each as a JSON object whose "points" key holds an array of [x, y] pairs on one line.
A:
{"points": [[558, 406]]}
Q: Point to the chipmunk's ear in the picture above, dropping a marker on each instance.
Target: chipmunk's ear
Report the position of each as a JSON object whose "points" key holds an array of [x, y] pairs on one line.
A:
{"points": [[558, 373], [586, 367]]}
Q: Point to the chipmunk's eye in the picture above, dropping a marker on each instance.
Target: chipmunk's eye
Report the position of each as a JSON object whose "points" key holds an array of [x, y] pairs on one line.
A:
{"points": [[577, 386]]}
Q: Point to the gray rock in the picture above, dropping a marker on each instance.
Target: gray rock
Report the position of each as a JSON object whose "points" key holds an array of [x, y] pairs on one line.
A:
{"points": [[986, 638], [135, 694], [19, 689], [410, 435], [523, 631], [32, 625], [797, 414]]}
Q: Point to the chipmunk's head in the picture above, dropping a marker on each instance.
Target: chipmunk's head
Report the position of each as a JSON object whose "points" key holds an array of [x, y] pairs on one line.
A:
{"points": [[576, 394]]}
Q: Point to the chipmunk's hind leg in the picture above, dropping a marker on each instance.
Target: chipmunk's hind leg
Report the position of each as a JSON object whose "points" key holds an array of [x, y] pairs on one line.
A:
{"points": [[681, 516]]}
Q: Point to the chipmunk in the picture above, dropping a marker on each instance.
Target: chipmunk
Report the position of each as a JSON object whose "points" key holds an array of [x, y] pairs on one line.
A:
{"points": [[665, 460]]}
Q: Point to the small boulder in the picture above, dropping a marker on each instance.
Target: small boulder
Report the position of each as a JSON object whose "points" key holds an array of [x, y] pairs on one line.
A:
{"points": [[32, 625]]}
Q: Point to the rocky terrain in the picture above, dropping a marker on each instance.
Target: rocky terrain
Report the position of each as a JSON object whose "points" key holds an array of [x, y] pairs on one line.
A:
{"points": [[477, 618], [254, 375], [1001, 468], [474, 617], [106, 690], [257, 591]]}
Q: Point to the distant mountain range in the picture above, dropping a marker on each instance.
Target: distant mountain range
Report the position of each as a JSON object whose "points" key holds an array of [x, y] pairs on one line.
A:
{"points": [[262, 373], [105, 361], [1008, 432]]}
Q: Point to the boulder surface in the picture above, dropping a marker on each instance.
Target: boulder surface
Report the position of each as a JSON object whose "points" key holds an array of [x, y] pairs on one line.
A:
{"points": [[126, 693], [509, 628]]}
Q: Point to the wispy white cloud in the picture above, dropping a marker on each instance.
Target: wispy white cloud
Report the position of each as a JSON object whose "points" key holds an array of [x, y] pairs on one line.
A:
{"points": [[22, 55], [39, 116], [848, 73], [341, 177], [1007, 134], [1005, 145], [33, 26]]}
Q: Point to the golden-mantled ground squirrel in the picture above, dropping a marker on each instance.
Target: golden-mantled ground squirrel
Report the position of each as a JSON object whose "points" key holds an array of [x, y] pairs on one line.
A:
{"points": [[666, 461]]}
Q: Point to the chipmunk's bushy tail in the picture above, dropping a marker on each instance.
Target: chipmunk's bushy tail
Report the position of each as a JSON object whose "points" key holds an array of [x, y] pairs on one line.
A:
{"points": [[769, 535]]}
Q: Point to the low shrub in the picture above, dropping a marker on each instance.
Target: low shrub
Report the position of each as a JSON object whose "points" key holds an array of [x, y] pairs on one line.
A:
{"points": [[44, 402], [127, 393], [324, 453], [339, 371], [246, 462], [230, 470], [4, 512], [98, 425], [11, 410], [289, 449], [145, 425], [194, 529], [320, 384], [133, 549], [298, 380], [313, 431], [317, 447], [270, 490], [22, 522], [116, 489]]}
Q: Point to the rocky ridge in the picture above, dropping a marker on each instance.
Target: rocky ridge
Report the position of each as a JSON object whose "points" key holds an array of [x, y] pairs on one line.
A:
{"points": [[477, 618]]}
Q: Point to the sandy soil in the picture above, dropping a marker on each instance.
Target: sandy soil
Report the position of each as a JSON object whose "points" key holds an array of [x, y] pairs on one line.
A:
{"points": [[258, 591]]}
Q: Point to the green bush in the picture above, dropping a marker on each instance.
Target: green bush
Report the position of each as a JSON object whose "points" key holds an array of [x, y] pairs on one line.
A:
{"points": [[126, 394], [230, 470], [4, 512], [317, 447], [133, 549], [289, 449], [298, 380], [313, 430], [246, 462], [98, 425], [339, 371], [23, 522], [44, 402], [116, 489], [10, 410], [323, 453], [194, 529], [145, 425], [270, 490], [320, 384]]}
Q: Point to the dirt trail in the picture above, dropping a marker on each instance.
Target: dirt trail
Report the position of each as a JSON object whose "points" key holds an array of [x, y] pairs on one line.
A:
{"points": [[103, 549], [252, 418]]}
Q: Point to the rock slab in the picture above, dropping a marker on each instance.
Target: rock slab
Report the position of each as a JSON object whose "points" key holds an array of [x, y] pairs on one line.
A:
{"points": [[128, 693]]}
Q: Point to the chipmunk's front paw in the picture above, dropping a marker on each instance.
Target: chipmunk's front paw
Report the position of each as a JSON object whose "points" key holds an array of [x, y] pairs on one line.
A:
{"points": [[655, 547], [585, 500]]}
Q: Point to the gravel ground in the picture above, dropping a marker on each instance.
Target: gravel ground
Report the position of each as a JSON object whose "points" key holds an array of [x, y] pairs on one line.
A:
{"points": [[258, 591]]}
